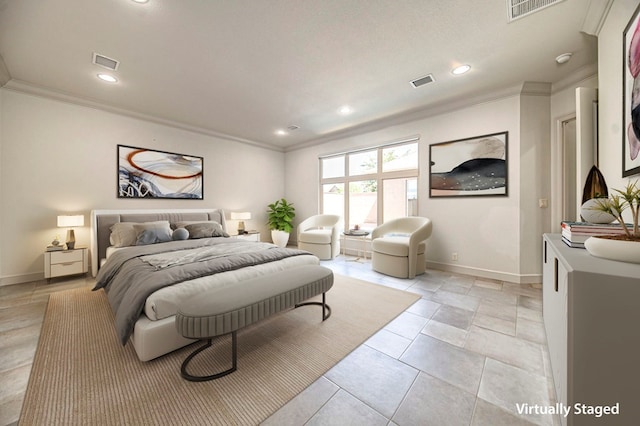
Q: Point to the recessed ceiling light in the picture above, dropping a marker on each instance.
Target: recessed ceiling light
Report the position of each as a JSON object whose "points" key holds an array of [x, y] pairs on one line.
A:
{"points": [[461, 69], [108, 78], [345, 110], [140, 1], [280, 132]]}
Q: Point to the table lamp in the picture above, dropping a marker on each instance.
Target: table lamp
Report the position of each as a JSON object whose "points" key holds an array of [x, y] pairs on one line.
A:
{"points": [[67, 221], [241, 217]]}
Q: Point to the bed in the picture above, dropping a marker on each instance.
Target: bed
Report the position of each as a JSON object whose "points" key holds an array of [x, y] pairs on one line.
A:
{"points": [[146, 280]]}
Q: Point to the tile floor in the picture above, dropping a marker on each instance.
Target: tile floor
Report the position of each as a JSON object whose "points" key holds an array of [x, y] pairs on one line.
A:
{"points": [[464, 354]]}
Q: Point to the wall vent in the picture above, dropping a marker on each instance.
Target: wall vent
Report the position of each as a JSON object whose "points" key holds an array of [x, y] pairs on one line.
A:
{"points": [[103, 61], [422, 81], [517, 9]]}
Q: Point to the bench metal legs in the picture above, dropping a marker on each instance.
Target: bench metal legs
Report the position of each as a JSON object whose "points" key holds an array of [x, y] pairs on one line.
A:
{"points": [[326, 309], [234, 358], [326, 313]]}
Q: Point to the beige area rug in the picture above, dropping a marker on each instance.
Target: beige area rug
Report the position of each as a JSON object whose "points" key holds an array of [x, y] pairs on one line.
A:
{"points": [[82, 375]]}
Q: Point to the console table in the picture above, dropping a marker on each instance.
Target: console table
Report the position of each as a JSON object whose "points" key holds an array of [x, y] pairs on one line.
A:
{"points": [[591, 310]]}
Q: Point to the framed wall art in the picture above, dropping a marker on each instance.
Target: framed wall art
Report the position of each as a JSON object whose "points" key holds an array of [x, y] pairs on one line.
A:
{"points": [[474, 166], [147, 173], [631, 97]]}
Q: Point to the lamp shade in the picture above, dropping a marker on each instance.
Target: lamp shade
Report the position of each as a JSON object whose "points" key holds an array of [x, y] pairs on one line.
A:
{"points": [[67, 221], [240, 215]]}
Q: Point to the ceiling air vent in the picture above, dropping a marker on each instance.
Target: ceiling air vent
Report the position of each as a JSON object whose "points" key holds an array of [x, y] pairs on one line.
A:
{"points": [[517, 9], [103, 61], [422, 81], [293, 127]]}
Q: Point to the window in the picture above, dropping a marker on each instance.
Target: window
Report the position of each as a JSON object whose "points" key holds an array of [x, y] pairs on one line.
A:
{"points": [[333, 198], [372, 185]]}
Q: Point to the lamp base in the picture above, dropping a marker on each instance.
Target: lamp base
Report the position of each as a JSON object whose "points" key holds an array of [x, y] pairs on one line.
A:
{"points": [[71, 239]]}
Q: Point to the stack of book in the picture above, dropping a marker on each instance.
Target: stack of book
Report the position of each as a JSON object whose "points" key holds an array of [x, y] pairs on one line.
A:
{"points": [[574, 234], [55, 248]]}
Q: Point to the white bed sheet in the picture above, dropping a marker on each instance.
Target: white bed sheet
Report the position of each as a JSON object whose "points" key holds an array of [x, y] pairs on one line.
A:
{"points": [[164, 302], [112, 249]]}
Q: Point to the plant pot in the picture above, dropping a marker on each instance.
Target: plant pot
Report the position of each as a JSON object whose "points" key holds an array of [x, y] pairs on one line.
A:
{"points": [[279, 238], [621, 250]]}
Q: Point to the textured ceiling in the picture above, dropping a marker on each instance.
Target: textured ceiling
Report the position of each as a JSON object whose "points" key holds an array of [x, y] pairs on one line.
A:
{"points": [[245, 68]]}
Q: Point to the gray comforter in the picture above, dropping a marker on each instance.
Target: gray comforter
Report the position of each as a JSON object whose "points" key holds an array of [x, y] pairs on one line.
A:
{"points": [[130, 276]]}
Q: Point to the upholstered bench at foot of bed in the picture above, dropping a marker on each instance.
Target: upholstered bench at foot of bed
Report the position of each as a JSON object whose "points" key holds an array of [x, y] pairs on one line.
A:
{"points": [[224, 311]]}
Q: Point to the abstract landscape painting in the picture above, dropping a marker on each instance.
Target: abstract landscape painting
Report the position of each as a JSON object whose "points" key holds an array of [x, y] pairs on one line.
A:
{"points": [[146, 173], [469, 167]]}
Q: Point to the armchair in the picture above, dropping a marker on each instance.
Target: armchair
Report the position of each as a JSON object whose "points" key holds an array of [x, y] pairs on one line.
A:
{"points": [[320, 235], [399, 245]]}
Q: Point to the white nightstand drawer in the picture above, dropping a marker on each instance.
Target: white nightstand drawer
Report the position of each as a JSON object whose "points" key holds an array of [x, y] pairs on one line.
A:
{"points": [[67, 256], [61, 269], [67, 262], [253, 236]]}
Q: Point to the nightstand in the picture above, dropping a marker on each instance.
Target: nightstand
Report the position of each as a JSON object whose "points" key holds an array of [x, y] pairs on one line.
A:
{"points": [[66, 262], [251, 236]]}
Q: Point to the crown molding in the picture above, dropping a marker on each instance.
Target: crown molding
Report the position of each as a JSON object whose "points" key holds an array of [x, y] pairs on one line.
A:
{"points": [[411, 115], [31, 89], [595, 17], [578, 76], [535, 88], [5, 77]]}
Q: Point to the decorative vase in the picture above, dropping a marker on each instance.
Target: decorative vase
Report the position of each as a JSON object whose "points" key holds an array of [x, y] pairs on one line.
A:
{"points": [[591, 214], [279, 238], [621, 250]]}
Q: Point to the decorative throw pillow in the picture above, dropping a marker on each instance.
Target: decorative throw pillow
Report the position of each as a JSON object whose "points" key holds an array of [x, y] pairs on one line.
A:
{"points": [[184, 223], [205, 230], [180, 234], [151, 233], [124, 235]]}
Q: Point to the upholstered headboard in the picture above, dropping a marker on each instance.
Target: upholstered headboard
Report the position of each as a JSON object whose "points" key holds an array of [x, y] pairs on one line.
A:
{"points": [[103, 220]]}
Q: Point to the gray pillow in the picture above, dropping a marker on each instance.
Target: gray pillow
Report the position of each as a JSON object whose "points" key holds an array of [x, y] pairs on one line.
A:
{"points": [[124, 235], [151, 233], [184, 223], [205, 230], [180, 234]]}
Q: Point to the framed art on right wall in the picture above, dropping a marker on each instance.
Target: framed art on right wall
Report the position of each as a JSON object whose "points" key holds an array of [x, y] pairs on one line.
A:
{"points": [[631, 96], [474, 166]]}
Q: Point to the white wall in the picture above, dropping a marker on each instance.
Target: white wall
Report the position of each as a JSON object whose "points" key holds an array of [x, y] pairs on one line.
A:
{"points": [[58, 157], [484, 231], [610, 121], [534, 180]]}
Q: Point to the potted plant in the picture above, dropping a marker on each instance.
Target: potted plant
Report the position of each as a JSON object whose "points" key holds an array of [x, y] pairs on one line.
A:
{"points": [[281, 214], [624, 247]]}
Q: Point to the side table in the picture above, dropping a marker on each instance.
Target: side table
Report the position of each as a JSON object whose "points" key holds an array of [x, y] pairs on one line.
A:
{"points": [[359, 235], [66, 262], [251, 236]]}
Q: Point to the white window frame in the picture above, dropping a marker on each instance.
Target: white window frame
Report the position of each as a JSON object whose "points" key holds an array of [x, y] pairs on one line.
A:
{"points": [[379, 176]]}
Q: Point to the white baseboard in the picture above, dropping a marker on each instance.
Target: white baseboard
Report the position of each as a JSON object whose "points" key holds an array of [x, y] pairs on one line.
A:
{"points": [[487, 273], [22, 278]]}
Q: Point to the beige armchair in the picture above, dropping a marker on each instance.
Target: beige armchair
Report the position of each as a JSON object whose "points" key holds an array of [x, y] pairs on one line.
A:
{"points": [[398, 246], [320, 235]]}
